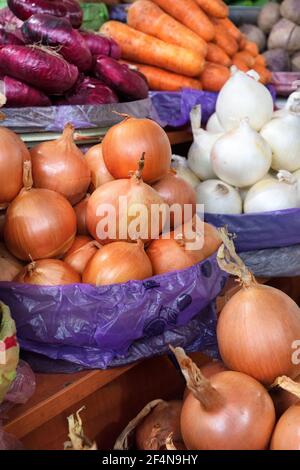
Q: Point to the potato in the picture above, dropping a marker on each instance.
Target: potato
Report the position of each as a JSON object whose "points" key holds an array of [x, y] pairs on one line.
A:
{"points": [[290, 9], [277, 60], [254, 34], [296, 62], [268, 17], [285, 35]]}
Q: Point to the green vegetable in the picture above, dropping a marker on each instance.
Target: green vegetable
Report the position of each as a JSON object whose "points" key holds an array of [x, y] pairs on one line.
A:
{"points": [[94, 15], [10, 357]]}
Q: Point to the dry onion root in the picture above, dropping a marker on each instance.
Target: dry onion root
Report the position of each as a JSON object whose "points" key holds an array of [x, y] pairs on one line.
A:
{"points": [[258, 326], [78, 441]]}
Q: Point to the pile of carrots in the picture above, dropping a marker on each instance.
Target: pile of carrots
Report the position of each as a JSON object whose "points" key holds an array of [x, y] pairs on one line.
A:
{"points": [[184, 44]]}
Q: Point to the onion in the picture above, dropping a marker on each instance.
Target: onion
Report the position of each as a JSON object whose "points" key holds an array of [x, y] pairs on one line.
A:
{"points": [[99, 173], [48, 272], [80, 253], [199, 156], [241, 157], [40, 223], [241, 97], [231, 411], [208, 370], [219, 198], [180, 164], [283, 136], [282, 399], [258, 326], [9, 265], [80, 211], [153, 431], [125, 206], [13, 154], [213, 125], [117, 263], [272, 194], [174, 190], [2, 222], [286, 435], [59, 165], [125, 142]]}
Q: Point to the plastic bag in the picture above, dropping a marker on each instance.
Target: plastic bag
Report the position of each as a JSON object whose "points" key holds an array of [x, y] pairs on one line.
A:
{"points": [[9, 350]]}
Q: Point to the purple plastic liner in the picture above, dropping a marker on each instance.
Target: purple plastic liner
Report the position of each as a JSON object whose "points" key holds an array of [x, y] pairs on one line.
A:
{"points": [[94, 327], [264, 230]]}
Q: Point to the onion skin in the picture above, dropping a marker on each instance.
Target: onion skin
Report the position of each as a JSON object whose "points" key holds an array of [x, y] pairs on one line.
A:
{"points": [[13, 153], [59, 165], [283, 400], [80, 211], [48, 272], [2, 222], [174, 190], [9, 265], [99, 173], [117, 263], [166, 417], [125, 142], [256, 330], [208, 370], [287, 431], [80, 253], [39, 224], [244, 421]]}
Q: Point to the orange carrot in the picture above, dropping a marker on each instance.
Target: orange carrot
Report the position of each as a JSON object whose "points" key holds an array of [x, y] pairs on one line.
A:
{"points": [[214, 8], [161, 80], [224, 40], [242, 42], [147, 17], [214, 76], [260, 60], [143, 48], [190, 14], [264, 74], [252, 48], [246, 57], [230, 27], [216, 55], [240, 64]]}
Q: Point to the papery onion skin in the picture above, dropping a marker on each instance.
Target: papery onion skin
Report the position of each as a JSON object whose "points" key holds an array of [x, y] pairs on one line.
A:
{"points": [[2, 222], [117, 263], [9, 265], [13, 153], [256, 331], [59, 165], [283, 400], [287, 431], [48, 272], [99, 173], [40, 223], [166, 417], [125, 142], [244, 421], [80, 211], [80, 253], [208, 370]]}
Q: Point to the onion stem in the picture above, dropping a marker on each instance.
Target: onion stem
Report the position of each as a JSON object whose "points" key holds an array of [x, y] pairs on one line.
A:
{"points": [[288, 385], [27, 175]]}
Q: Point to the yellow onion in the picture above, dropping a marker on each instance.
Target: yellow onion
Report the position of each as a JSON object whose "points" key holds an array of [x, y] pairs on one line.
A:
{"points": [[258, 326], [40, 223], [117, 263], [99, 173], [81, 252], [80, 211], [124, 219], [59, 165], [2, 222], [13, 153], [125, 142], [230, 411], [9, 265], [48, 272]]}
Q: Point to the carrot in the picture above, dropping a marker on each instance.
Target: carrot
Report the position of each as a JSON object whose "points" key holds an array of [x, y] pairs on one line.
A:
{"points": [[214, 8], [240, 64], [252, 48], [260, 60], [230, 27], [188, 13], [147, 17], [242, 42], [142, 48], [224, 40], [216, 55], [214, 76], [161, 80], [264, 74], [246, 57]]}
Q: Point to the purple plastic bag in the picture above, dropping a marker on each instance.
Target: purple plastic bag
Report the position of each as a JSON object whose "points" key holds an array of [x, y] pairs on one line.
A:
{"points": [[23, 387], [258, 231], [94, 327]]}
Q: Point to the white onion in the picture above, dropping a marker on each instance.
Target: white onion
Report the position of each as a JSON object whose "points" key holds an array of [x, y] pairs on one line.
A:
{"points": [[272, 194], [213, 125], [243, 96], [219, 198], [180, 164], [241, 157], [283, 135], [200, 152]]}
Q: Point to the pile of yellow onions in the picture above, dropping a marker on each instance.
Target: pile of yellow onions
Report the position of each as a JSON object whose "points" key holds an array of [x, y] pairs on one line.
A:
{"points": [[99, 173], [48, 272], [81, 252]]}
